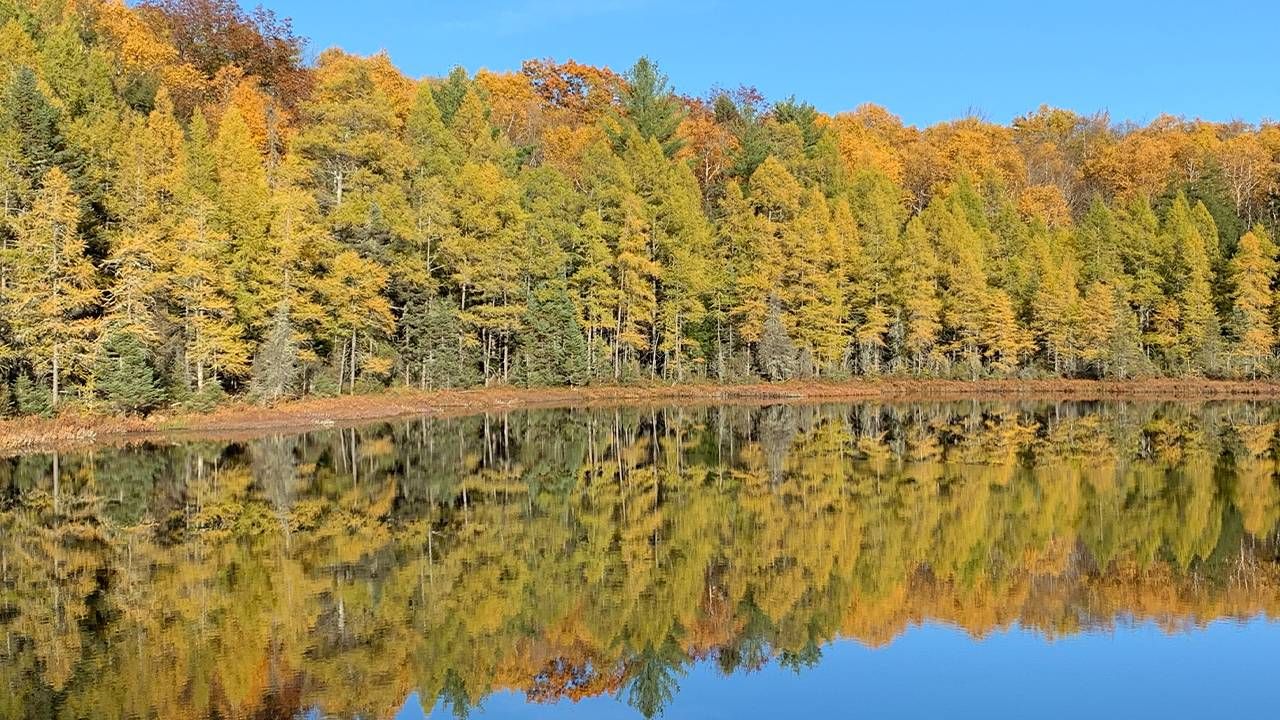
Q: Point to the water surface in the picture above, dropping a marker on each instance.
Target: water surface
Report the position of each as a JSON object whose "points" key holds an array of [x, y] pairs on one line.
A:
{"points": [[972, 559]]}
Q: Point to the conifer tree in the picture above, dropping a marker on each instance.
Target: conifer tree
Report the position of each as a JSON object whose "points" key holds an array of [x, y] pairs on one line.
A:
{"points": [[810, 285], [1056, 306], [123, 375], [433, 345], [1252, 272], [776, 353], [557, 350], [275, 365], [54, 286], [1190, 281], [651, 106], [914, 274], [243, 213], [143, 252]]}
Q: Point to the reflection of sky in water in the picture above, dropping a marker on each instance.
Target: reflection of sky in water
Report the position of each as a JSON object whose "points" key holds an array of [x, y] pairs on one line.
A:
{"points": [[1224, 669]]}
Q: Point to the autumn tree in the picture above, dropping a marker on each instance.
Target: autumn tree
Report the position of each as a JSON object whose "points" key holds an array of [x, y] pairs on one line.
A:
{"points": [[54, 290], [1253, 271]]}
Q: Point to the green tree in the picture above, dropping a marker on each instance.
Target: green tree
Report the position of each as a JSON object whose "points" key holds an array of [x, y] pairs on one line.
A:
{"points": [[275, 370], [123, 374], [651, 107], [434, 349], [776, 353], [555, 348]]}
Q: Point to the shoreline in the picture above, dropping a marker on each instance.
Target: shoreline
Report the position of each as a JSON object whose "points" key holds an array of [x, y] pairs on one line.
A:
{"points": [[29, 435]]}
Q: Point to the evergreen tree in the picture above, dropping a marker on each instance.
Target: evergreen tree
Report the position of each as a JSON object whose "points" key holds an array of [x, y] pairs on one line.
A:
{"points": [[434, 345], [34, 121], [449, 93], [651, 107], [275, 366], [123, 374], [556, 349], [776, 353], [31, 398]]}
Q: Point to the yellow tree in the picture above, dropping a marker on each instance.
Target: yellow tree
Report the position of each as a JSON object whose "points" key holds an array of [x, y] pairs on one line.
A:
{"points": [[774, 199], [55, 293], [244, 213], [214, 342], [1252, 271], [1190, 277], [810, 288], [486, 257], [351, 292], [1056, 307], [144, 197], [913, 273]]}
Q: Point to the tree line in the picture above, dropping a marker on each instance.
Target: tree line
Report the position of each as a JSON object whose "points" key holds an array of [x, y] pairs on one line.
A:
{"points": [[572, 554], [190, 210]]}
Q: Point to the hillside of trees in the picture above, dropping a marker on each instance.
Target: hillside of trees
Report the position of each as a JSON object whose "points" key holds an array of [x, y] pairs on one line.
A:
{"points": [[190, 210]]}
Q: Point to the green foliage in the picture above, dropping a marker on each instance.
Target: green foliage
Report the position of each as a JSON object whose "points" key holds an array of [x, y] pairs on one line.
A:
{"points": [[557, 349], [123, 374], [275, 367], [32, 398], [650, 106], [434, 356], [776, 354], [34, 121], [206, 399]]}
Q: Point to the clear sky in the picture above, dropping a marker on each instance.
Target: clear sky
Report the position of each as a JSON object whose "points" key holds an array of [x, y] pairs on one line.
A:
{"points": [[925, 61]]}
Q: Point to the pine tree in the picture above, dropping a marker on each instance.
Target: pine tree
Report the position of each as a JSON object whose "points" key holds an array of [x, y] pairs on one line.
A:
{"points": [[433, 345], [123, 374], [275, 365], [776, 353], [448, 94], [34, 122], [555, 348], [651, 107]]}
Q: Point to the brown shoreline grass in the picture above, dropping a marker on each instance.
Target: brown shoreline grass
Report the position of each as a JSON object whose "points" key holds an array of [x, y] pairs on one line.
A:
{"points": [[238, 420]]}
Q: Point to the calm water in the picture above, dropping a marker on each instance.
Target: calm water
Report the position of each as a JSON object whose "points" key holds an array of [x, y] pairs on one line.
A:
{"points": [[918, 560]]}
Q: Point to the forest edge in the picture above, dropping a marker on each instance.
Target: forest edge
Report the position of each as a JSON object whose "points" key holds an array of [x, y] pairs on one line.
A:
{"points": [[236, 420]]}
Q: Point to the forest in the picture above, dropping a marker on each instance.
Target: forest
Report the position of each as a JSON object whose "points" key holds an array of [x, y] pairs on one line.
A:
{"points": [[196, 205], [570, 554]]}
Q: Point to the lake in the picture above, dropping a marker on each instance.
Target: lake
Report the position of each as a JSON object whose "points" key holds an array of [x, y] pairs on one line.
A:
{"points": [[945, 559]]}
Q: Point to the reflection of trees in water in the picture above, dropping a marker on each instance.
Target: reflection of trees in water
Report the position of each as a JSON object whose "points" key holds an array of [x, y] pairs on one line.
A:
{"points": [[573, 554]]}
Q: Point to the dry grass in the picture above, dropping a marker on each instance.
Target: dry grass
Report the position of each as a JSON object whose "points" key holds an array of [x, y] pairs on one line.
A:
{"points": [[241, 420]]}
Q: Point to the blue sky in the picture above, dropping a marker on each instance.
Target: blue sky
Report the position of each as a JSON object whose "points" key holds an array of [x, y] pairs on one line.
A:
{"points": [[925, 61]]}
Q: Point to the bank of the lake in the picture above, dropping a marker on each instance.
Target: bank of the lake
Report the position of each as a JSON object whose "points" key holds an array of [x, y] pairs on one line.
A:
{"points": [[77, 429]]}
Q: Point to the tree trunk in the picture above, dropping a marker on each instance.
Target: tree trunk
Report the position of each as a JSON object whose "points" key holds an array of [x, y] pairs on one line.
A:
{"points": [[56, 370], [353, 362]]}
